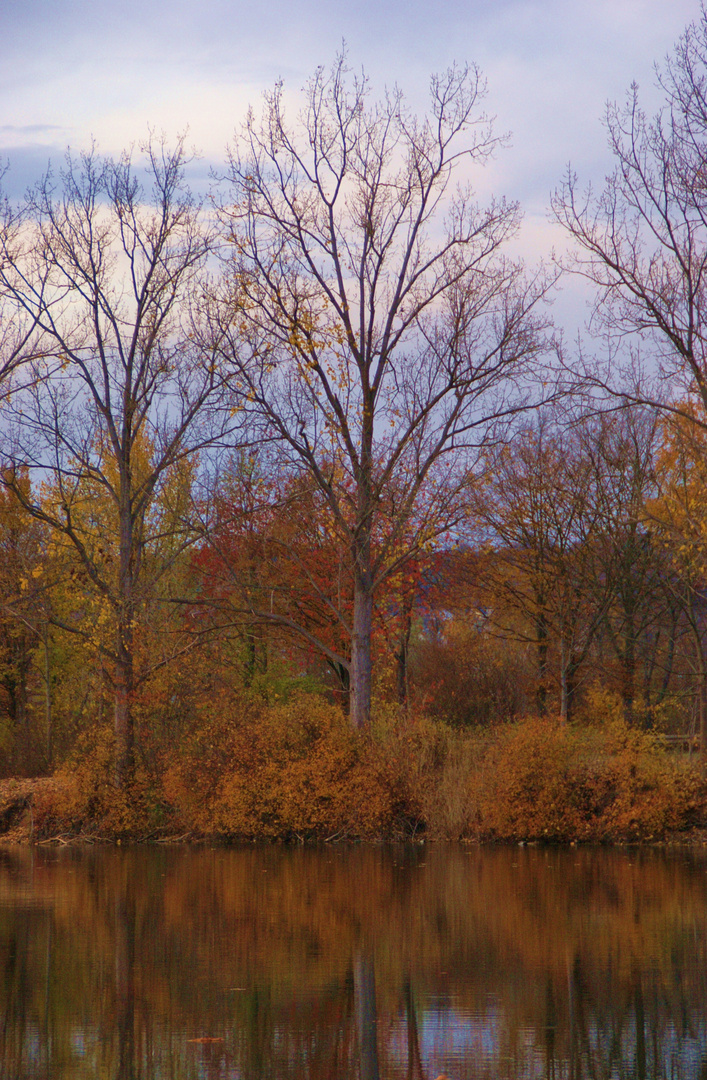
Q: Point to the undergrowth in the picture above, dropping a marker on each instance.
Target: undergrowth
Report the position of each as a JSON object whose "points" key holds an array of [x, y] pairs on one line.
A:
{"points": [[295, 771]]}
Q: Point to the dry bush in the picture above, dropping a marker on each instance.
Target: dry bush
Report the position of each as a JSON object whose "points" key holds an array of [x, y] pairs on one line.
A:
{"points": [[84, 798], [297, 771], [290, 771], [428, 768], [652, 791], [531, 784], [542, 780]]}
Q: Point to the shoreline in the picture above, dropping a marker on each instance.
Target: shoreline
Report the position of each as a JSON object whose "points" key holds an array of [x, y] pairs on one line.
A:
{"points": [[27, 819], [17, 830]]}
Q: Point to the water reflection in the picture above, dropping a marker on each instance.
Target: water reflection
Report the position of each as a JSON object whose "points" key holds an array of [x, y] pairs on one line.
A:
{"points": [[364, 963]]}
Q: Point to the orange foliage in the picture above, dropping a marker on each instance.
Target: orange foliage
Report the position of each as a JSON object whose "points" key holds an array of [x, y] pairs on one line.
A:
{"points": [[543, 780], [294, 771], [85, 800]]}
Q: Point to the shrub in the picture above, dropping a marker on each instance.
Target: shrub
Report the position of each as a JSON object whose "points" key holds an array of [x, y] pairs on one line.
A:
{"points": [[297, 771], [542, 780], [293, 770], [470, 678], [428, 767], [85, 800]]}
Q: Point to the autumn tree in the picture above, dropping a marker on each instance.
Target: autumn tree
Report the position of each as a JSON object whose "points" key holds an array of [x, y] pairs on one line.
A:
{"points": [[678, 513], [386, 331], [630, 573], [276, 573], [571, 563], [24, 606], [535, 513], [274, 566], [110, 268], [642, 241]]}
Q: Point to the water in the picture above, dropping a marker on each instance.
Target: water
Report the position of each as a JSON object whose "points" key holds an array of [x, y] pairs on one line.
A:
{"points": [[409, 962]]}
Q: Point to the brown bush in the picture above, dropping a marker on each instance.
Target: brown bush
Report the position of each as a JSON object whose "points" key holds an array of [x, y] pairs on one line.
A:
{"points": [[84, 798], [427, 766], [297, 771], [470, 678], [293, 770], [542, 780]]}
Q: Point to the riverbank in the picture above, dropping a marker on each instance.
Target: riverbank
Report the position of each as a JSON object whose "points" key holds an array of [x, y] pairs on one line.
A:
{"points": [[300, 775], [17, 828]]}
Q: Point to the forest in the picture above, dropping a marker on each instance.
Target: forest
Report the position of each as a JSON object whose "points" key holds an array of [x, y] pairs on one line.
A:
{"points": [[314, 526]]}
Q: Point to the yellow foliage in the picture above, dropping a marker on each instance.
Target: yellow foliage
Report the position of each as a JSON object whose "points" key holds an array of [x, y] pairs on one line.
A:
{"points": [[680, 510]]}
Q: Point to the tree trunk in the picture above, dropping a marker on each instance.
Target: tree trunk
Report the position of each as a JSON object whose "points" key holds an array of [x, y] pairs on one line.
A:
{"points": [[125, 985], [640, 1020], [550, 1030], [342, 690], [250, 657], [569, 666], [124, 732], [402, 656], [703, 714], [571, 688], [47, 1032], [564, 695], [542, 644], [628, 681], [47, 698], [361, 662], [701, 665], [414, 1068], [124, 675], [669, 661]]}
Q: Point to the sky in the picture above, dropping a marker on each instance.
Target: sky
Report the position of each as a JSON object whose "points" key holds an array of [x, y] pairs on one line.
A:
{"points": [[83, 69]]}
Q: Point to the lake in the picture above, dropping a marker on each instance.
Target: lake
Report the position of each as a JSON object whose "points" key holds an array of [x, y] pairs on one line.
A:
{"points": [[408, 962]]}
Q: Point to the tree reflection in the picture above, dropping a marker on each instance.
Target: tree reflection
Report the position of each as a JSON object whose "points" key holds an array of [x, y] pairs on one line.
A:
{"points": [[366, 1014], [401, 964], [414, 1062], [125, 983]]}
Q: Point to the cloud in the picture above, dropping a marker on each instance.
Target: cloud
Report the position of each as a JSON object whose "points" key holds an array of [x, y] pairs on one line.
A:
{"points": [[88, 68], [28, 129]]}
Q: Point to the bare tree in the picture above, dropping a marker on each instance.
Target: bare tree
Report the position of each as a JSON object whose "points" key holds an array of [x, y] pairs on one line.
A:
{"points": [[386, 332], [642, 241], [19, 342], [110, 273]]}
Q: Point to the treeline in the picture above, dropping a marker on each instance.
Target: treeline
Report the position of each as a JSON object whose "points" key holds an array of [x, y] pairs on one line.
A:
{"points": [[575, 586], [317, 433]]}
